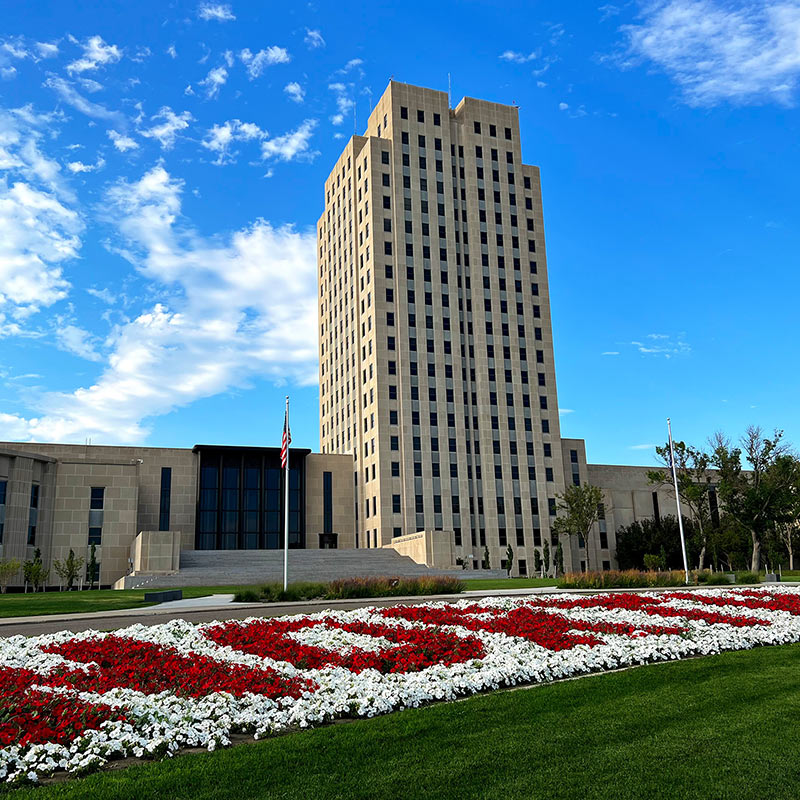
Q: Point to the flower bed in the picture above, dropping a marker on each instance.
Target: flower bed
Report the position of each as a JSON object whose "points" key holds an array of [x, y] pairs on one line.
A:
{"points": [[74, 701]]}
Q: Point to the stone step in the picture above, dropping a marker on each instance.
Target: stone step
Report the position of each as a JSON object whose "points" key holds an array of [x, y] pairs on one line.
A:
{"points": [[242, 567]]}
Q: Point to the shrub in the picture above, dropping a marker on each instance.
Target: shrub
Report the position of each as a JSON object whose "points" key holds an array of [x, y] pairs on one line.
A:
{"points": [[747, 577], [616, 579], [718, 579], [355, 588], [247, 596], [304, 590]]}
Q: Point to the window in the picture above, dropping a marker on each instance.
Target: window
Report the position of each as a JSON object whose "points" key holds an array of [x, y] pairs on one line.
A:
{"points": [[395, 469], [420, 115], [394, 443], [477, 126], [384, 156], [3, 491], [395, 503], [96, 506], [165, 499], [327, 502], [403, 112]]}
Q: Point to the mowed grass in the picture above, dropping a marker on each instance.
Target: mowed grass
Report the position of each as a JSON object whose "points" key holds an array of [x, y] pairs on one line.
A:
{"points": [[487, 584], [23, 605], [719, 727]]}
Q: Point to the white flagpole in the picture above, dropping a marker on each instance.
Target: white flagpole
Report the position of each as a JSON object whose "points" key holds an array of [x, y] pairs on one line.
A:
{"points": [[286, 505], [677, 501]]}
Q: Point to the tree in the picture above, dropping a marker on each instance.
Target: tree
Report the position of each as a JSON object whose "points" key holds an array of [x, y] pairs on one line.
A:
{"points": [[9, 567], [560, 559], [581, 507], [68, 569], [92, 568], [691, 468], [650, 536], [486, 563], [537, 560], [546, 550], [34, 572], [788, 534], [762, 496], [509, 560]]}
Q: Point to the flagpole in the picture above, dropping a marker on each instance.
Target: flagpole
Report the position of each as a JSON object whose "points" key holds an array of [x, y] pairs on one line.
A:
{"points": [[286, 507], [677, 501]]}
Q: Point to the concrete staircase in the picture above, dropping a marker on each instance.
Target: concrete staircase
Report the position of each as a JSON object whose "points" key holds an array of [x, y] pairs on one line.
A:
{"points": [[242, 567]]}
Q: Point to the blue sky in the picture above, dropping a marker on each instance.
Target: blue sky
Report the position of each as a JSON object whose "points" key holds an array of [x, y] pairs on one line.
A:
{"points": [[161, 171]]}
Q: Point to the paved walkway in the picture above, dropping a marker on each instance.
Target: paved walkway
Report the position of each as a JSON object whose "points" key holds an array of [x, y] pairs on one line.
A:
{"points": [[220, 607]]}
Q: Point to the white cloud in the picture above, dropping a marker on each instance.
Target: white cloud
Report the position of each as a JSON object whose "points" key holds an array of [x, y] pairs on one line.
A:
{"points": [[343, 102], [607, 11], [351, 64], [661, 344], [167, 132], [541, 84], [76, 167], [314, 39], [292, 145], [257, 62], [295, 92], [106, 295], [77, 341], [563, 106], [91, 85], [610, 353], [214, 81], [518, 58], [243, 307], [220, 12], [47, 49], [564, 411], [67, 92], [96, 53], [642, 447], [171, 51], [121, 142], [715, 51], [220, 138], [39, 229]]}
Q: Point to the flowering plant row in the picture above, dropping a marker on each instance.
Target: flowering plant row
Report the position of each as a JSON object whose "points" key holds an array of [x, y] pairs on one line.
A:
{"points": [[74, 701]]}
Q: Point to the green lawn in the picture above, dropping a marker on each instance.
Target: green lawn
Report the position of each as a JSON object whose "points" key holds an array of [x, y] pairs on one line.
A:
{"points": [[477, 584], [719, 727], [21, 605]]}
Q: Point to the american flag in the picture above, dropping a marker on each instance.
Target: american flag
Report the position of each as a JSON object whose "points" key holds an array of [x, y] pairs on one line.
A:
{"points": [[286, 440]]}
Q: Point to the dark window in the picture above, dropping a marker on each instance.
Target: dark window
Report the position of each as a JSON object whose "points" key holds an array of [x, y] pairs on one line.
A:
{"points": [[164, 503], [327, 502], [95, 535], [477, 127], [3, 490], [395, 503], [403, 112], [97, 495]]}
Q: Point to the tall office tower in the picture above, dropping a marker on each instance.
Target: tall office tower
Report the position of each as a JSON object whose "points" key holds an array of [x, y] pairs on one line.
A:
{"points": [[436, 351]]}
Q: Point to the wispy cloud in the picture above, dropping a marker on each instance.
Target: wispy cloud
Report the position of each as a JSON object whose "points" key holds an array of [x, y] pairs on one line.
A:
{"points": [[121, 142], [664, 345], [564, 411], [610, 353], [221, 138], [214, 81], [295, 92], [642, 447], [721, 51], [166, 131], [67, 92], [96, 53], [76, 167], [219, 12], [256, 63], [343, 101], [518, 58], [607, 11], [314, 39], [293, 145]]}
